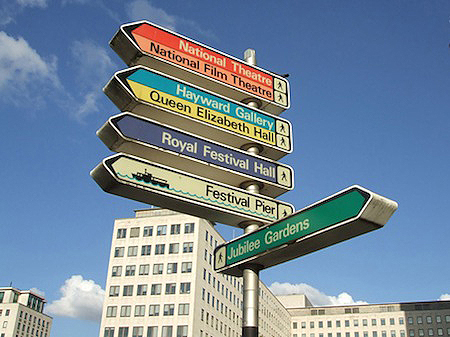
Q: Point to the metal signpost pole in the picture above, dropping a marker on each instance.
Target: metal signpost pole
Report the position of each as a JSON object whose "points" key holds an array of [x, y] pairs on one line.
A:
{"points": [[251, 272]]}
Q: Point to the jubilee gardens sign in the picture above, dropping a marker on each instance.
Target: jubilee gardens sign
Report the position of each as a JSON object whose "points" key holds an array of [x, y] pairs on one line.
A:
{"points": [[186, 139]]}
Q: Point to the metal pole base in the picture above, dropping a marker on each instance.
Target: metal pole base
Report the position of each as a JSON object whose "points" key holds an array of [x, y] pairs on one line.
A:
{"points": [[250, 331]]}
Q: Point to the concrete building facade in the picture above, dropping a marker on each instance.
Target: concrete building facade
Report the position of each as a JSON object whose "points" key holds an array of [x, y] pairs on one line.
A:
{"points": [[413, 319], [21, 314], [161, 282]]}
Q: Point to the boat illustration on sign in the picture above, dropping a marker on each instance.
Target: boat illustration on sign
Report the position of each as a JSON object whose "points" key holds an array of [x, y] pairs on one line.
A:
{"points": [[149, 178]]}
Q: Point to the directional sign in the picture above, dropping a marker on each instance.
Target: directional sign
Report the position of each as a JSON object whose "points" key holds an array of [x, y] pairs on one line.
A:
{"points": [[156, 184], [165, 99], [148, 139], [156, 47], [349, 213]]}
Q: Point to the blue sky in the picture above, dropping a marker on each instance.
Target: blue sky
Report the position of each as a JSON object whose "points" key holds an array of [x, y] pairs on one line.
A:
{"points": [[370, 106]]}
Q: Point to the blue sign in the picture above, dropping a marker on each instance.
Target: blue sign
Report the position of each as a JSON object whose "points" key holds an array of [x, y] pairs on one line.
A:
{"points": [[148, 132]]}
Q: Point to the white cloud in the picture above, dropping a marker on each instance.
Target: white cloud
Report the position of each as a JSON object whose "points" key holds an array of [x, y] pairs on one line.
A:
{"points": [[80, 298], [444, 297], [316, 297], [38, 292], [25, 76], [32, 3], [94, 69], [143, 9]]}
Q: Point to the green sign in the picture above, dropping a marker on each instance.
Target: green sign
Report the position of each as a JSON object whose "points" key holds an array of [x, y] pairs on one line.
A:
{"points": [[343, 208]]}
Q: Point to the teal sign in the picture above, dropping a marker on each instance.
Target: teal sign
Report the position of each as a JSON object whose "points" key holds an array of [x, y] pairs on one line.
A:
{"points": [[315, 218]]}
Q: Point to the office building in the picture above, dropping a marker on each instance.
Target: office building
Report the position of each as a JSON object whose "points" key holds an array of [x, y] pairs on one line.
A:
{"points": [[161, 282], [411, 319], [21, 314]]}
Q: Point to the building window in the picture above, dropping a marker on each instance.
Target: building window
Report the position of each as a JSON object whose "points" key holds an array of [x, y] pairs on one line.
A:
{"points": [[430, 332], [182, 331], [347, 323], [421, 333], [185, 288], [128, 290], [186, 267], [161, 230], [411, 333], [174, 248], [383, 333], [311, 325], [338, 324], [175, 229], [393, 334], [207, 236], [158, 268], [374, 334], [138, 331], [109, 332], [159, 249], [119, 251], [189, 228], [392, 321], [132, 250], [141, 289], [374, 322], [139, 310], [121, 233], [294, 325], [410, 320], [113, 291], [146, 250], [153, 310], [166, 331], [123, 331], [169, 309], [152, 331], [329, 324], [130, 270], [148, 231], [303, 323], [156, 289], [116, 271], [134, 232], [401, 321], [172, 268], [188, 247], [419, 320], [440, 332], [144, 269], [438, 319], [183, 309], [355, 322], [171, 288], [447, 318], [111, 311], [125, 311], [429, 320], [383, 321]]}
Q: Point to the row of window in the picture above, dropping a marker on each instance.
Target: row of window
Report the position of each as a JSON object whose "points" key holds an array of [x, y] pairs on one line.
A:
{"points": [[373, 321], [393, 333], [365, 322], [152, 331], [220, 288], [160, 249], [219, 324], [158, 268], [428, 319], [153, 310], [160, 230], [155, 289], [219, 306]]}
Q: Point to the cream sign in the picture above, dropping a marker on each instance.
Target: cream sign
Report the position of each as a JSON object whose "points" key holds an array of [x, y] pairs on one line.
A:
{"points": [[153, 183]]}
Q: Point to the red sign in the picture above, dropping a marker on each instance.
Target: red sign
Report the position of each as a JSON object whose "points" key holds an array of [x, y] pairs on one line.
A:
{"points": [[184, 52]]}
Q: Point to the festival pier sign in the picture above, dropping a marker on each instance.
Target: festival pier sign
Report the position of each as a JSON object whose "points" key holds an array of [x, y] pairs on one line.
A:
{"points": [[157, 184]]}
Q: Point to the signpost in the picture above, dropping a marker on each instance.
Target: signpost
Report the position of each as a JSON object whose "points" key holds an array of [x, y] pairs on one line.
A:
{"points": [[197, 140], [156, 184], [147, 44], [145, 138], [174, 102], [349, 213]]}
